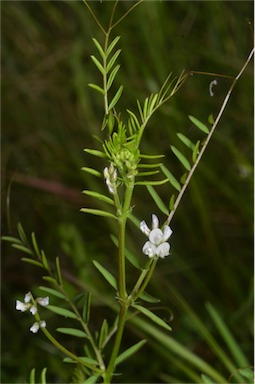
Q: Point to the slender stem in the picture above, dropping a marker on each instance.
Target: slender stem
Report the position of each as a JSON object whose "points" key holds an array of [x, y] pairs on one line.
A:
{"points": [[94, 17], [146, 280], [106, 107], [122, 17], [116, 347], [122, 266], [68, 353], [170, 217]]}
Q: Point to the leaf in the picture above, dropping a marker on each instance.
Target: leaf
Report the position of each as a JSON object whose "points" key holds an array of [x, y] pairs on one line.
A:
{"points": [[45, 261], [86, 308], [43, 376], [59, 275], [91, 171], [99, 47], [97, 88], [186, 141], [98, 212], [148, 173], [171, 203], [32, 261], [95, 152], [199, 124], [148, 298], [11, 239], [112, 60], [183, 178], [181, 157], [86, 360], [52, 292], [35, 245], [195, 152], [62, 311], [32, 376], [153, 165], [98, 64], [112, 77], [211, 119], [247, 373], [172, 180], [107, 275], [99, 196], [103, 333], [152, 316], [131, 258], [22, 248], [91, 380], [151, 156], [72, 332], [206, 379], [22, 234], [116, 97], [152, 101], [157, 199], [130, 351], [50, 280], [159, 182], [112, 45]]}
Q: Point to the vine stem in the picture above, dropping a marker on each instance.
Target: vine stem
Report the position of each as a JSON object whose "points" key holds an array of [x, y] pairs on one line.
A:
{"points": [[171, 215]]}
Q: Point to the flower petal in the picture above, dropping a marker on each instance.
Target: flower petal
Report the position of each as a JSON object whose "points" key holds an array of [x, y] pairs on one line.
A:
{"points": [[21, 306], [163, 250], [144, 228], [155, 221], [27, 298], [156, 236], [167, 232], [44, 301], [42, 324], [35, 327], [33, 309], [149, 249]]}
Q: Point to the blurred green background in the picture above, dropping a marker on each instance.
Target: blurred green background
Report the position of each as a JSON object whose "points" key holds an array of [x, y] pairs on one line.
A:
{"points": [[49, 116]]}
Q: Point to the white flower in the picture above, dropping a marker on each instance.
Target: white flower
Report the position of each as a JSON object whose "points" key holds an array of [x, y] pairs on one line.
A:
{"points": [[35, 327], [157, 244], [27, 305], [44, 301]]}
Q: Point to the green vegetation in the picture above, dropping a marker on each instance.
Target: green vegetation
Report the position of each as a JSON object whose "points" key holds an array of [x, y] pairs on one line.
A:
{"points": [[49, 115]]}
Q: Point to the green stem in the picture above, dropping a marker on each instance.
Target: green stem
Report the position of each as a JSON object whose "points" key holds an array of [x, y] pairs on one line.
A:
{"points": [[68, 353], [123, 300], [116, 347], [143, 280]]}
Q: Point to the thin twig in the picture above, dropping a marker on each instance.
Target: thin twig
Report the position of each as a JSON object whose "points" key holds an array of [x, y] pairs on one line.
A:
{"points": [[171, 215]]}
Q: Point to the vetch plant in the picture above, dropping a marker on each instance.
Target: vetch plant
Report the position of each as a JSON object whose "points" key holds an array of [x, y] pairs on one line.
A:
{"points": [[124, 167]]}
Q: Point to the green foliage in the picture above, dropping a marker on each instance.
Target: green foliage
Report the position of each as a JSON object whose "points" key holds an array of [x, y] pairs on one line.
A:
{"points": [[54, 116], [42, 377]]}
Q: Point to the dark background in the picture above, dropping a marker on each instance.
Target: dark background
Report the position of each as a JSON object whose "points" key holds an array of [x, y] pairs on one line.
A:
{"points": [[49, 116]]}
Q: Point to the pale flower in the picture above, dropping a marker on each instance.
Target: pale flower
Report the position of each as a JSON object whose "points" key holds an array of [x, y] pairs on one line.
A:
{"points": [[35, 327], [27, 305], [157, 244]]}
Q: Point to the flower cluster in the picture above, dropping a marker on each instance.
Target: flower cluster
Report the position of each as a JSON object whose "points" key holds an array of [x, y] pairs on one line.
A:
{"points": [[31, 305], [157, 246]]}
